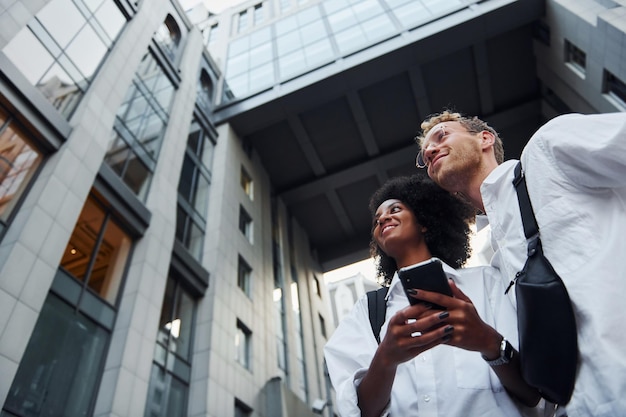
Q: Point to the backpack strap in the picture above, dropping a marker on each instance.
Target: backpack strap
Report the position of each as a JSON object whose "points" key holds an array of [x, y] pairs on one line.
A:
{"points": [[377, 307]]}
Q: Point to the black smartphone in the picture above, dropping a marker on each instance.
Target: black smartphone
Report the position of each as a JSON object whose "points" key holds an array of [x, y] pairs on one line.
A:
{"points": [[427, 276]]}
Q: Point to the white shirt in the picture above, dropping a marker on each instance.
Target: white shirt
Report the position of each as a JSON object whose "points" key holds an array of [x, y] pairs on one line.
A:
{"points": [[443, 381], [575, 170]]}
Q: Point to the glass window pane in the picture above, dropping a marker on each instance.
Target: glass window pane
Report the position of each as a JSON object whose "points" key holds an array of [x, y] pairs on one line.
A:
{"points": [[181, 221], [308, 16], [19, 160], [319, 52], [239, 85], [61, 367], [137, 177], [313, 32], [62, 20], [186, 178], [111, 18], [260, 37], [350, 39], [207, 153], [196, 240], [33, 64], [342, 20], [367, 9], [177, 401], [83, 240], [201, 198], [167, 312], [288, 43], [286, 25], [291, 64], [262, 76], [110, 262], [332, 6], [412, 14], [237, 65], [86, 51], [261, 55], [378, 28], [238, 46], [182, 325]]}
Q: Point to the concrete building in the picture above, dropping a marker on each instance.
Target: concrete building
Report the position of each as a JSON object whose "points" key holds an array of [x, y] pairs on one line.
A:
{"points": [[167, 209]]}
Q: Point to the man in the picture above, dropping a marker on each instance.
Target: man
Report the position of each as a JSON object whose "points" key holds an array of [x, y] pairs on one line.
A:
{"points": [[575, 169]]}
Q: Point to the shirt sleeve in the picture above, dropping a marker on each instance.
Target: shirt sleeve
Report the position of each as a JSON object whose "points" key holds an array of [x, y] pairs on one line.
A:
{"points": [[348, 354], [590, 150]]}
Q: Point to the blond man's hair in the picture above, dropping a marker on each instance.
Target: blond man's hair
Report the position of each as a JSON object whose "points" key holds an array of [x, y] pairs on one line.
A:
{"points": [[472, 124]]}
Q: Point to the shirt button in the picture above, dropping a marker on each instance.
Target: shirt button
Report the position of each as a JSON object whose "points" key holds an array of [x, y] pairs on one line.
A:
{"points": [[423, 358], [426, 398]]}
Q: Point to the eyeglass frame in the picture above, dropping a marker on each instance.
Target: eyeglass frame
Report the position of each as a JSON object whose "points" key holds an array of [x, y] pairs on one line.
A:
{"points": [[420, 160]]}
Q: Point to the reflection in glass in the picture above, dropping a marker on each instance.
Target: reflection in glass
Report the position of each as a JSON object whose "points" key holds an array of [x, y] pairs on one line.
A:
{"points": [[60, 370], [168, 36], [97, 251], [193, 190], [63, 45], [168, 391], [139, 126], [19, 159]]}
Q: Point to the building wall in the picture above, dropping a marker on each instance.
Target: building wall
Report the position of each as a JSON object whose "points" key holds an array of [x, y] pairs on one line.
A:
{"points": [[598, 29], [37, 234]]}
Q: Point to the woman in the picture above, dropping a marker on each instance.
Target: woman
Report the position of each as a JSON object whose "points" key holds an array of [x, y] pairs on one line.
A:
{"points": [[429, 361]]}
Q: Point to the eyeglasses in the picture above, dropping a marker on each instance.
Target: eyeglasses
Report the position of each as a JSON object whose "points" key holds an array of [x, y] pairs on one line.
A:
{"points": [[434, 136]]}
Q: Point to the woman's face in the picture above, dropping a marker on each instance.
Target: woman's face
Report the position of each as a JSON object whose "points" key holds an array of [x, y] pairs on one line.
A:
{"points": [[395, 227]]}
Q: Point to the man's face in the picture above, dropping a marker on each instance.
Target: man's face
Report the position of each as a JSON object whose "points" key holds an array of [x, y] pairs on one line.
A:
{"points": [[450, 153]]}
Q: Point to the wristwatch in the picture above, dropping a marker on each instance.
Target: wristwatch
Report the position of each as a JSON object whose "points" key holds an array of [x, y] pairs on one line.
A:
{"points": [[506, 354]]}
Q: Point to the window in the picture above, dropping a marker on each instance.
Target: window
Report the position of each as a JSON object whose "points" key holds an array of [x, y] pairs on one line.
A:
{"points": [[284, 5], [139, 126], [575, 58], [243, 21], [97, 251], [322, 325], [211, 34], [246, 183], [193, 190], [244, 274], [168, 37], [171, 369], [615, 89], [303, 389], [241, 409], [243, 338], [541, 32], [280, 308], [316, 286], [205, 92], [245, 223], [61, 367], [61, 49], [19, 160], [259, 16]]}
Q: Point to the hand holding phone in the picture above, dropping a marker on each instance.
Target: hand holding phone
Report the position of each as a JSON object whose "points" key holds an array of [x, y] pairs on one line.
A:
{"points": [[427, 275]]}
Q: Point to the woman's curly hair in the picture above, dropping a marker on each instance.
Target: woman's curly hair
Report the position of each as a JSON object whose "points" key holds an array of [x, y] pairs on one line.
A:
{"points": [[445, 217]]}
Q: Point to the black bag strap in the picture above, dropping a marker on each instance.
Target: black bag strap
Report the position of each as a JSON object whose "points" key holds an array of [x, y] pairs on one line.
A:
{"points": [[528, 216], [377, 307]]}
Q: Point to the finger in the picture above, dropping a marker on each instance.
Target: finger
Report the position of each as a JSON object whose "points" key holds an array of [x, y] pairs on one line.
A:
{"points": [[457, 293], [434, 297]]}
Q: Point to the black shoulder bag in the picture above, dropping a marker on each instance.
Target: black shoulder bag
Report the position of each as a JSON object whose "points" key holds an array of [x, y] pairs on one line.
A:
{"points": [[547, 328], [377, 309]]}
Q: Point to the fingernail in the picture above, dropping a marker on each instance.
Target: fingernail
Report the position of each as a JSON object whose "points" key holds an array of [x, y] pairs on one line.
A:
{"points": [[444, 315], [448, 329], [411, 291], [446, 337]]}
